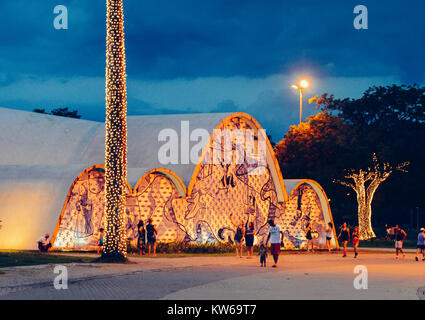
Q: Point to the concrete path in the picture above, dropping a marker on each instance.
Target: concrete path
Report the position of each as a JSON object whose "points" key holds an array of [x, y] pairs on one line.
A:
{"points": [[299, 276]]}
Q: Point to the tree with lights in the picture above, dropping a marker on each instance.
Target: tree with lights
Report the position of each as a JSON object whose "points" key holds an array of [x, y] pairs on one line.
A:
{"points": [[365, 183], [115, 248], [388, 121]]}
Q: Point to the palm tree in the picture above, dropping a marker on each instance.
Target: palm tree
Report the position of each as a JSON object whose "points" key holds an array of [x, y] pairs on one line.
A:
{"points": [[114, 248]]}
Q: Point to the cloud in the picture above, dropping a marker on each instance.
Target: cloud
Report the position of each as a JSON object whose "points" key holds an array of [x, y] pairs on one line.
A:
{"points": [[207, 56], [226, 106], [192, 39], [271, 99]]}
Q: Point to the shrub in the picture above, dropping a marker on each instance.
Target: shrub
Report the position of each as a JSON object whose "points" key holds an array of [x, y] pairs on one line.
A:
{"points": [[184, 247]]}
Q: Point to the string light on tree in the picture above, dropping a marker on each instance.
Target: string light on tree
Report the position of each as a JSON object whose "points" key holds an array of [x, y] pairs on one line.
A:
{"points": [[366, 182], [116, 134]]}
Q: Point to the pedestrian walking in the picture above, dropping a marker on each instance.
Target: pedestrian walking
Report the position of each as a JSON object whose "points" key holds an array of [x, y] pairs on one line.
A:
{"points": [[344, 237], [400, 235], [276, 239], [263, 255], [421, 245], [356, 241], [329, 233]]}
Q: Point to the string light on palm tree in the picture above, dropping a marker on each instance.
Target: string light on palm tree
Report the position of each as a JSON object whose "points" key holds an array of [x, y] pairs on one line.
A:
{"points": [[116, 134], [303, 84]]}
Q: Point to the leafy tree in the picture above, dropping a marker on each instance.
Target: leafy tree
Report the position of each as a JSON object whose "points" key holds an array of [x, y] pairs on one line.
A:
{"points": [[62, 112], [273, 144], [316, 148], [386, 121]]}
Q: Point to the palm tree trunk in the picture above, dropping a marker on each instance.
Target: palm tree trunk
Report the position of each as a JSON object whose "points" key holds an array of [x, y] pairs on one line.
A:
{"points": [[116, 135]]}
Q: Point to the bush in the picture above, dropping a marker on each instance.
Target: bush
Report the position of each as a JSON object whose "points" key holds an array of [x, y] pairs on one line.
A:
{"points": [[184, 247]]}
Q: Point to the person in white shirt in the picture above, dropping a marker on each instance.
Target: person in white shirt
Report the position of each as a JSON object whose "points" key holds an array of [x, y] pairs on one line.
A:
{"points": [[44, 243], [276, 238]]}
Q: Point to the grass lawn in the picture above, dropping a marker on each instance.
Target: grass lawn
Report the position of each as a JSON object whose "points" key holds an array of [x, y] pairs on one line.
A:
{"points": [[11, 258]]}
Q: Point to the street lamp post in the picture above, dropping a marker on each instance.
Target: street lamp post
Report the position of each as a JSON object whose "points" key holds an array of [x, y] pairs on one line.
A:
{"points": [[302, 85]]}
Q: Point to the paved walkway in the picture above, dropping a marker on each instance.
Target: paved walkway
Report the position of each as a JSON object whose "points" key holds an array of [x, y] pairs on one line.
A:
{"points": [[299, 276]]}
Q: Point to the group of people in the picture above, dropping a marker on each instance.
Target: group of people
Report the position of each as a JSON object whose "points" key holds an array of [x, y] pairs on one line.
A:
{"points": [[275, 237], [397, 234], [146, 238], [242, 234], [344, 238], [146, 241]]}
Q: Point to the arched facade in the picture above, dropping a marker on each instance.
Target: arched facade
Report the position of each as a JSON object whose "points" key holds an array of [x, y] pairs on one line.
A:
{"points": [[82, 214], [307, 203], [224, 190]]}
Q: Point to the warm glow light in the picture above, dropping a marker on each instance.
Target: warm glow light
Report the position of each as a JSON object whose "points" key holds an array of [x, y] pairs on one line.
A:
{"points": [[304, 84], [366, 182]]}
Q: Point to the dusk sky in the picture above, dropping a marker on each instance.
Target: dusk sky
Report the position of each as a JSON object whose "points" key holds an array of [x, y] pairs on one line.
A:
{"points": [[208, 56]]}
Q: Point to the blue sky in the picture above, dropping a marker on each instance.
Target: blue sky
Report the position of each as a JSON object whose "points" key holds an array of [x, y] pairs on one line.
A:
{"points": [[208, 56]]}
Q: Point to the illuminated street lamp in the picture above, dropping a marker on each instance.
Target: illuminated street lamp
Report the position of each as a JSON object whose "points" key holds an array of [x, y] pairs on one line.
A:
{"points": [[302, 85]]}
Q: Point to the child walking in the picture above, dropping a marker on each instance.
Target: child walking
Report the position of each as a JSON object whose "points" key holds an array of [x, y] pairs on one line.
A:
{"points": [[263, 255]]}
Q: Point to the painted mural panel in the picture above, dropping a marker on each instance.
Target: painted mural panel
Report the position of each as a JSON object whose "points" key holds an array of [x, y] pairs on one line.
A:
{"points": [[303, 207], [83, 214], [152, 199], [245, 193], [223, 191]]}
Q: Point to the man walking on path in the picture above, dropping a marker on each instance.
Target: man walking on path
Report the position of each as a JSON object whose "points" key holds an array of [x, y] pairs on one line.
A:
{"points": [[400, 236], [421, 245], [276, 237]]}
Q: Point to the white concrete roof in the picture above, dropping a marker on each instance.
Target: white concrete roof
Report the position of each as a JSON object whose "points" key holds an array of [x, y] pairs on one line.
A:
{"points": [[28, 138], [41, 155]]}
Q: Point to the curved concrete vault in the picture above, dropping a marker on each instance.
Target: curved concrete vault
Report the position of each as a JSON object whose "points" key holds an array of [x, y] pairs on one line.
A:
{"points": [[49, 183], [216, 194]]}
